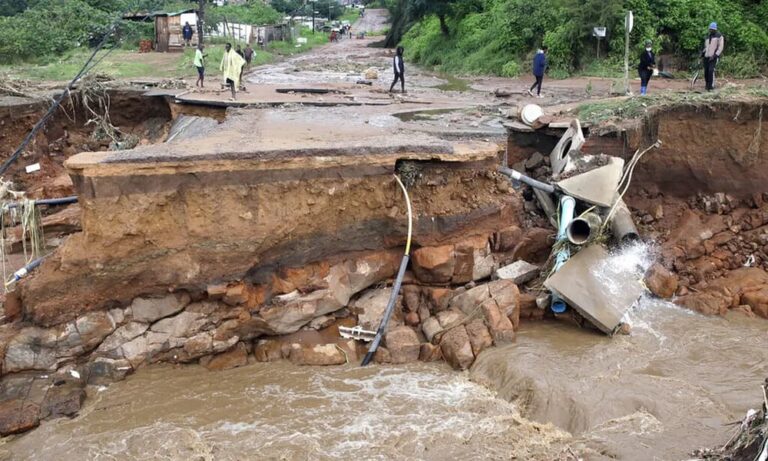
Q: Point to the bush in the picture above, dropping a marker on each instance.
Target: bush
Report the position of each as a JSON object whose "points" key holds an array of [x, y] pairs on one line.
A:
{"points": [[510, 69], [486, 35], [50, 27], [741, 65]]}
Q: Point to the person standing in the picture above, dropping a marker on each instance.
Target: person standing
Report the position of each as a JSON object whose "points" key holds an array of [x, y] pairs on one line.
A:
{"points": [[713, 49], [539, 66], [200, 65], [248, 55], [645, 69], [231, 68], [186, 32], [399, 67]]}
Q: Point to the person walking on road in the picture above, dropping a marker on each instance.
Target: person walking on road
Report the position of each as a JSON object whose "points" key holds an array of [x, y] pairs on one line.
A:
{"points": [[200, 65], [713, 49], [646, 67], [539, 66], [186, 33], [231, 67], [248, 55], [399, 68]]}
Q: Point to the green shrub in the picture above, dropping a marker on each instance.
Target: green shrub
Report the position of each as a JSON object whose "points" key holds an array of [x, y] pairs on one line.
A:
{"points": [[510, 69], [741, 65], [50, 27]]}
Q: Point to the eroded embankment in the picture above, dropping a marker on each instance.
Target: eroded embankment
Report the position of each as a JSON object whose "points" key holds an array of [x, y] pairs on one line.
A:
{"points": [[223, 251]]}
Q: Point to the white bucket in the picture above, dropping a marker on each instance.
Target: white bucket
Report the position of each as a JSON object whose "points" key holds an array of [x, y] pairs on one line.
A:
{"points": [[530, 113]]}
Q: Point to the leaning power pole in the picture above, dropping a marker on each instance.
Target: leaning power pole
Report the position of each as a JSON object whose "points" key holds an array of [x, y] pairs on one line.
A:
{"points": [[200, 20]]}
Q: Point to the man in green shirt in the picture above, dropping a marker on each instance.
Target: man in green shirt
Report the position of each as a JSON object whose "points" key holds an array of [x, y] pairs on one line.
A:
{"points": [[200, 64]]}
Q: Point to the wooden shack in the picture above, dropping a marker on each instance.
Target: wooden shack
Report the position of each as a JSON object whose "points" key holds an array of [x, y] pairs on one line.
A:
{"points": [[168, 29]]}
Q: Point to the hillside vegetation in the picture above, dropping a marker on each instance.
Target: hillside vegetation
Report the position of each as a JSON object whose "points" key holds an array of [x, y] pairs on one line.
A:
{"points": [[39, 30], [499, 36]]}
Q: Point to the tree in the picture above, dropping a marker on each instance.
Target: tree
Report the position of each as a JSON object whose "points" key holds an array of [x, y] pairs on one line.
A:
{"points": [[419, 9]]}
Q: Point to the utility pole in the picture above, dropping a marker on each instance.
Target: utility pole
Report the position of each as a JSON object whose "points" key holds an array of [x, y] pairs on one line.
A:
{"points": [[628, 23], [200, 20]]}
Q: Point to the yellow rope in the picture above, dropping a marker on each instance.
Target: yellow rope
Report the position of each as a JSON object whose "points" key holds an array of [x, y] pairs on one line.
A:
{"points": [[410, 215]]}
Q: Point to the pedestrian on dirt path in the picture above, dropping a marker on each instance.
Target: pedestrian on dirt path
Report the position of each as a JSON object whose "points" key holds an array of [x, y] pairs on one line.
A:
{"points": [[186, 32], [713, 49], [200, 65], [248, 55], [399, 68], [240, 52], [539, 66], [646, 67], [231, 68]]}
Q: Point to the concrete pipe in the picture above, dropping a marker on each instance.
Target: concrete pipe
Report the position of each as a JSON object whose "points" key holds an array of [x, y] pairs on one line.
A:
{"points": [[516, 175], [567, 206], [583, 229], [622, 226]]}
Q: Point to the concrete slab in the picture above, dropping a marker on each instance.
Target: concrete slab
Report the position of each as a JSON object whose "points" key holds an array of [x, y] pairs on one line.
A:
{"points": [[189, 127], [572, 140], [599, 292], [519, 272], [598, 186]]}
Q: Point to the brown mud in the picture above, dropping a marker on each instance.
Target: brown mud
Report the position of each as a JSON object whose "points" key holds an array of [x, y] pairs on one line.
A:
{"points": [[256, 242]]}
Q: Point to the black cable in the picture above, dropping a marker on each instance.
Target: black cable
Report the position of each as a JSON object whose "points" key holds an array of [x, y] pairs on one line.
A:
{"points": [[56, 103]]}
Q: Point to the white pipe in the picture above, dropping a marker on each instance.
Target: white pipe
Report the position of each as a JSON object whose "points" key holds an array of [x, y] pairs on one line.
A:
{"points": [[567, 207]]}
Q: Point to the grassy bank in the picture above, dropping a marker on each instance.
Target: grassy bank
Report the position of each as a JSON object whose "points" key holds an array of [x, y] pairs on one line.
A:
{"points": [[120, 63], [637, 107]]}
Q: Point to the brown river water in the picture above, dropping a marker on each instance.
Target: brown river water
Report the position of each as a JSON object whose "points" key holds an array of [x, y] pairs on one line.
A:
{"points": [[668, 388]]}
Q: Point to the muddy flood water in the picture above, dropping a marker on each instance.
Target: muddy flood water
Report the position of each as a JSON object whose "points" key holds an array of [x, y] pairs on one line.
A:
{"points": [[670, 387]]}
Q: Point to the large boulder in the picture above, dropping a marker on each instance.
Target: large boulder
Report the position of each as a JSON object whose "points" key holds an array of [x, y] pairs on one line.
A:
{"points": [[17, 416], [403, 344], [63, 399], [434, 264], [317, 354], [370, 308], [457, 348], [479, 337], [151, 309], [725, 293], [757, 300], [233, 358], [661, 282]]}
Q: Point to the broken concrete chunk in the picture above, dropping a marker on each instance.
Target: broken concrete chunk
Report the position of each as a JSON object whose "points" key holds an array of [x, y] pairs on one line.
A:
{"points": [[598, 186], [600, 293], [572, 140], [519, 272]]}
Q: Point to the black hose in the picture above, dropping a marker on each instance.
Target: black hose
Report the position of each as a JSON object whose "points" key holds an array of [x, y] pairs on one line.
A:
{"points": [[56, 103], [388, 312], [49, 201]]}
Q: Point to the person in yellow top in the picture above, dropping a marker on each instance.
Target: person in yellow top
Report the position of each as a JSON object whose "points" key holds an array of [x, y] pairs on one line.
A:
{"points": [[231, 65], [200, 64]]}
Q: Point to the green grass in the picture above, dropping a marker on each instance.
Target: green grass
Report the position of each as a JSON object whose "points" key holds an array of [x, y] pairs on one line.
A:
{"points": [[351, 15], [637, 107], [121, 63], [118, 63], [290, 49]]}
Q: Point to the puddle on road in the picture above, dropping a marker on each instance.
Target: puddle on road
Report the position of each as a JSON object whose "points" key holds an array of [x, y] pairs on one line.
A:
{"points": [[453, 84]]}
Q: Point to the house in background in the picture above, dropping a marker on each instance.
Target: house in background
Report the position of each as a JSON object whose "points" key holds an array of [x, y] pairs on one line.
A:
{"points": [[168, 27]]}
